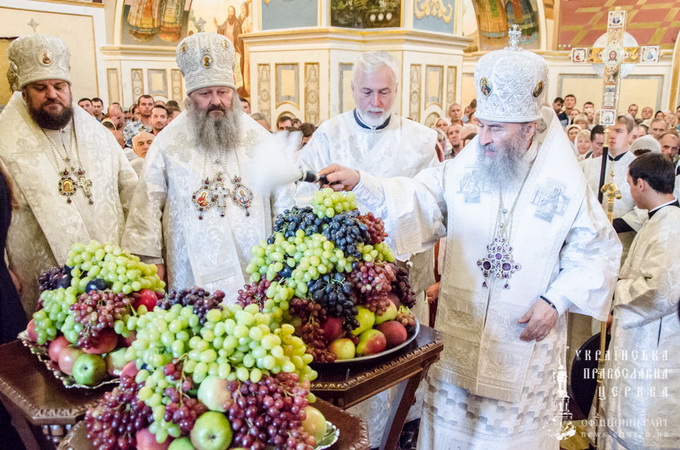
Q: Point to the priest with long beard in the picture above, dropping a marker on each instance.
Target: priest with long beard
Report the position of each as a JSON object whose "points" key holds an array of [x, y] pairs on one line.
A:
{"points": [[526, 241], [195, 212]]}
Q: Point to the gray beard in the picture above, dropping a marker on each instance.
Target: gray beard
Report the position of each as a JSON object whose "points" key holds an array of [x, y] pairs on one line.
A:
{"points": [[215, 133], [507, 168]]}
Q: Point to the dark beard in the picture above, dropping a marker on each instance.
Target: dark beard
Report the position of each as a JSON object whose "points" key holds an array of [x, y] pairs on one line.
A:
{"points": [[508, 167], [51, 121], [213, 133]]}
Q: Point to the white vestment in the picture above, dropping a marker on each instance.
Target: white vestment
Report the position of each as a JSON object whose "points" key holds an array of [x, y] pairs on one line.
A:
{"points": [[489, 389], [211, 252], [402, 148], [641, 407], [44, 225]]}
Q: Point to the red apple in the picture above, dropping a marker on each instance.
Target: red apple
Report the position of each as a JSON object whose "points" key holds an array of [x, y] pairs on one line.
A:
{"points": [[127, 341], [395, 333], [146, 440], [314, 423], [148, 298], [67, 357], [213, 393], [107, 341], [394, 299], [56, 346], [371, 342], [130, 370], [30, 329], [343, 348], [332, 328]]}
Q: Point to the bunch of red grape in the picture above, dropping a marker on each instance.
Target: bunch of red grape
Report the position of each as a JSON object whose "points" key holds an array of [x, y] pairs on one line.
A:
{"points": [[269, 412], [373, 281], [312, 315], [112, 424], [376, 227], [96, 311], [58, 277], [254, 293]]}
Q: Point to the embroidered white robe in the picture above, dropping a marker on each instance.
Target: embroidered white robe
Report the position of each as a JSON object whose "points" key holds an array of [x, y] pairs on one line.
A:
{"points": [[489, 389], [44, 225], [212, 252], [642, 374]]}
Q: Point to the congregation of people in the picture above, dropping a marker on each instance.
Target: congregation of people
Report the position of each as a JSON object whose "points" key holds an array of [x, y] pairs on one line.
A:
{"points": [[493, 208]]}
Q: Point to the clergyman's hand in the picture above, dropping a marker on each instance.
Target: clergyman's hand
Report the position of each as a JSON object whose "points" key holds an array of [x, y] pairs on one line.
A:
{"points": [[160, 271], [340, 178], [540, 319]]}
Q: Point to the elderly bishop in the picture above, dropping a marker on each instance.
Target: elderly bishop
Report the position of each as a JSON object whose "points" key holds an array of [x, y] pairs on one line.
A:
{"points": [[72, 183], [194, 212], [526, 242]]}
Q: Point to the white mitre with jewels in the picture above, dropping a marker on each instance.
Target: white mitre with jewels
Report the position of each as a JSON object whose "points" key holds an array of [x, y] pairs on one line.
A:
{"points": [[37, 57], [206, 60], [510, 83]]}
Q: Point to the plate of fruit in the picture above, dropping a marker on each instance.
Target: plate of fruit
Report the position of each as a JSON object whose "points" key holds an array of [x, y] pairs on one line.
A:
{"points": [[86, 313], [329, 271]]}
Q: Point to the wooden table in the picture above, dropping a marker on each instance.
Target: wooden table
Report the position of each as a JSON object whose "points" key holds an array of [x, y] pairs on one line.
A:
{"points": [[353, 431], [346, 384], [42, 408]]}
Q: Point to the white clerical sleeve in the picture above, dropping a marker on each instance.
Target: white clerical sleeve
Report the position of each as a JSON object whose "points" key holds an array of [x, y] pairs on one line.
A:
{"points": [[414, 207], [653, 290], [143, 230], [127, 181], [589, 263]]}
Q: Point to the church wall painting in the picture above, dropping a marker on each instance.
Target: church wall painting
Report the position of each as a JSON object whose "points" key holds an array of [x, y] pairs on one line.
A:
{"points": [[494, 17], [366, 13], [166, 22]]}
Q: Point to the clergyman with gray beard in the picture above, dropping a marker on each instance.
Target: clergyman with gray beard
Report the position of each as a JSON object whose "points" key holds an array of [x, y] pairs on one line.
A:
{"points": [[195, 213]]}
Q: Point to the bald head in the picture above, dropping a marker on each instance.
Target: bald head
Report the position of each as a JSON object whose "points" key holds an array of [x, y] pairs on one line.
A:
{"points": [[141, 143]]}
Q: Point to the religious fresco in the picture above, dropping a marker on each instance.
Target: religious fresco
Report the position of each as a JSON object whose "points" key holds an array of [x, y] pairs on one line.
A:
{"points": [[155, 22], [494, 17], [651, 22], [166, 22], [366, 13]]}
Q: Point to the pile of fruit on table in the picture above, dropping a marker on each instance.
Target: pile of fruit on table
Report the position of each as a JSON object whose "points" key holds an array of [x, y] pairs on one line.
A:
{"points": [[85, 309], [201, 374], [329, 269]]}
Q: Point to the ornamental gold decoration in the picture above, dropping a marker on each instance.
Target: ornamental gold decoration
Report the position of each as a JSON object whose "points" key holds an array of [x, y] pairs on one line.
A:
{"points": [[433, 8]]}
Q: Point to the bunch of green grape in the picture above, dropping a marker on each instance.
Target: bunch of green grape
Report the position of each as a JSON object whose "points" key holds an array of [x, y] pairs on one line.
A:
{"points": [[118, 270], [55, 315], [327, 203]]}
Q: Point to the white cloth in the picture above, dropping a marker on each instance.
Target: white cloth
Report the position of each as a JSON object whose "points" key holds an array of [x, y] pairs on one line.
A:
{"points": [[574, 266], [44, 225], [164, 222], [642, 375], [403, 148]]}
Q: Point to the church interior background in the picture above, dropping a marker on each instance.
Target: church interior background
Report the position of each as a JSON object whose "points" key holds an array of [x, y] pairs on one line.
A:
{"points": [[295, 56]]}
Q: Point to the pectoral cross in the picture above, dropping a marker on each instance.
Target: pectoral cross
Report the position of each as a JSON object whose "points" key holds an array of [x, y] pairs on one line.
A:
{"points": [[613, 56]]}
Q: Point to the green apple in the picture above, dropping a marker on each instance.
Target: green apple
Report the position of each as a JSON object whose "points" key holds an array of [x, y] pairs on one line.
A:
{"points": [[366, 320], [343, 348], [181, 444], [212, 431], [115, 361], [213, 393], [89, 369], [371, 342], [389, 314], [314, 423]]}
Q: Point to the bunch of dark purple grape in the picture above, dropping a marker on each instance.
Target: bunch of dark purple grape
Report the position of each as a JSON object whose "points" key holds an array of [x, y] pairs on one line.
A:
{"points": [[113, 423], [58, 277], [269, 412], [346, 231], [298, 219], [334, 293], [198, 298]]}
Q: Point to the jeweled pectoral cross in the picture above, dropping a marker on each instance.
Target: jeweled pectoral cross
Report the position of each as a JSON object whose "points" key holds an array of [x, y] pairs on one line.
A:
{"points": [[86, 185]]}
